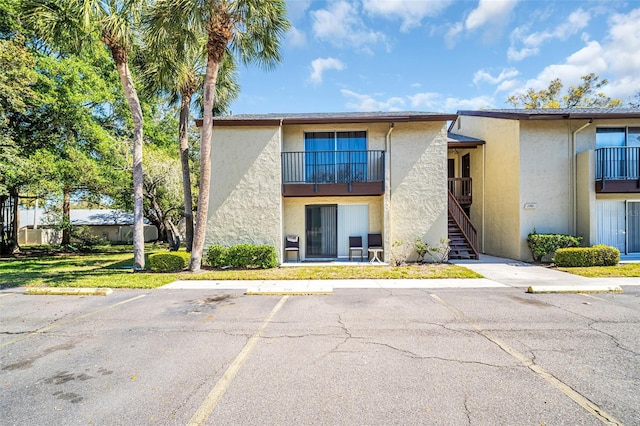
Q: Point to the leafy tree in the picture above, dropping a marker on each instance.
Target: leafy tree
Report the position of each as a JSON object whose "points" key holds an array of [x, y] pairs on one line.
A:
{"points": [[584, 95], [163, 193], [252, 29], [175, 66], [635, 103], [68, 25]]}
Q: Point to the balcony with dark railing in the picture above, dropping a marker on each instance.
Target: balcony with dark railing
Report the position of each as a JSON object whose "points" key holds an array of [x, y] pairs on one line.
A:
{"points": [[460, 188], [618, 169], [322, 173]]}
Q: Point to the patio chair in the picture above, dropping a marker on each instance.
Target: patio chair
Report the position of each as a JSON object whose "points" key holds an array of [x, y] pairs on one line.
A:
{"points": [[355, 244], [292, 244], [374, 242]]}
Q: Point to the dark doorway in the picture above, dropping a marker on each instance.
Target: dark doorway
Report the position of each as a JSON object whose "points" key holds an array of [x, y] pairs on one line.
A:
{"points": [[321, 231]]}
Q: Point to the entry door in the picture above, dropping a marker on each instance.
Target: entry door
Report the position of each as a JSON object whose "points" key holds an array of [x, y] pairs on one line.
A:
{"points": [[611, 226], [321, 231]]}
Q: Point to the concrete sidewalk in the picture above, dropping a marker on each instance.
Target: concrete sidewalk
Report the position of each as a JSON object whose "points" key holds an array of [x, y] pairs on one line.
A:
{"points": [[498, 272], [515, 273]]}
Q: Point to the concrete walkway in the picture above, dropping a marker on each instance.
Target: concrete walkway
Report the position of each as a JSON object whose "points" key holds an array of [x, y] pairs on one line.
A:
{"points": [[498, 272], [515, 273]]}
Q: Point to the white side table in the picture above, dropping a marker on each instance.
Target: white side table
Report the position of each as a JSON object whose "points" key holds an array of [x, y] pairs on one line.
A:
{"points": [[376, 252]]}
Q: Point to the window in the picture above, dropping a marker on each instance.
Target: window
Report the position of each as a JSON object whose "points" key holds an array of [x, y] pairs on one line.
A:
{"points": [[621, 154], [332, 157]]}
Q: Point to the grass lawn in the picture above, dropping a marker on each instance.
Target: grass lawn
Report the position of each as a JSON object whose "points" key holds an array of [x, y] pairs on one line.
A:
{"points": [[620, 270], [112, 268]]}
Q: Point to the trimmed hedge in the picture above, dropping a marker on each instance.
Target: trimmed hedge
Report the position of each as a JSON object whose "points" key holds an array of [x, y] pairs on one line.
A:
{"points": [[598, 255], [169, 262], [544, 245], [242, 256], [217, 256]]}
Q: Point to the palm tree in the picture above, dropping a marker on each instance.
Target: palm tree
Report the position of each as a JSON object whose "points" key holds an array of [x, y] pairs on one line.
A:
{"points": [[68, 24], [252, 29], [180, 76]]}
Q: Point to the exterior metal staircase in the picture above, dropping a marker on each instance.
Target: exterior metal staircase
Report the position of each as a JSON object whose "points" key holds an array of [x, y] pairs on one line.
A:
{"points": [[463, 237]]}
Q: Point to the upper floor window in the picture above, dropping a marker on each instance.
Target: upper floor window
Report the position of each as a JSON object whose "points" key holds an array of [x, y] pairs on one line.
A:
{"points": [[617, 136], [335, 156], [335, 141]]}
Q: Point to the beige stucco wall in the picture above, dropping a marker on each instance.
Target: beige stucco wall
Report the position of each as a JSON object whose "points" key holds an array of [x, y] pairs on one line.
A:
{"points": [[501, 209], [545, 180], [294, 214], [586, 197], [245, 203], [418, 184]]}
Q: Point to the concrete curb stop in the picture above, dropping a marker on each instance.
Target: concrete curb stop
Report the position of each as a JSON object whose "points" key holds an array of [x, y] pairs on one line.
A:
{"points": [[539, 289], [68, 291]]}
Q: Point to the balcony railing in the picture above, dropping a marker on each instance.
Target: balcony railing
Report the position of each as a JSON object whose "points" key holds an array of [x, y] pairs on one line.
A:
{"points": [[460, 188], [618, 163], [330, 167]]}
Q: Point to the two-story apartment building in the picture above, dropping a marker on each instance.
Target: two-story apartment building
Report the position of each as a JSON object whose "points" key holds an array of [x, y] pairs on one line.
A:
{"points": [[326, 177], [574, 171]]}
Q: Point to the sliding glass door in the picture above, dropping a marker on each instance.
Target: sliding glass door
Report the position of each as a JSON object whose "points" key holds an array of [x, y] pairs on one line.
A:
{"points": [[321, 231]]}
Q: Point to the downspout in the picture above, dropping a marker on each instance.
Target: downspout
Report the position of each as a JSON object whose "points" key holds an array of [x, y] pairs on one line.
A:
{"points": [[281, 251], [574, 180], [387, 182], [484, 189]]}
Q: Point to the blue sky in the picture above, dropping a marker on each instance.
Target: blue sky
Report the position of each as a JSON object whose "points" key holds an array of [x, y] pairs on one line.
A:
{"points": [[442, 55]]}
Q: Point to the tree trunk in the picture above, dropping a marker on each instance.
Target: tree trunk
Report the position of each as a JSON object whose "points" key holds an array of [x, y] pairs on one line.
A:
{"points": [[136, 113], [66, 217], [205, 164], [173, 236], [184, 160]]}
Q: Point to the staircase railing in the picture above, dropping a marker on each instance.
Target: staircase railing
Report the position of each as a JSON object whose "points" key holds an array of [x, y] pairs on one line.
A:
{"points": [[464, 224]]}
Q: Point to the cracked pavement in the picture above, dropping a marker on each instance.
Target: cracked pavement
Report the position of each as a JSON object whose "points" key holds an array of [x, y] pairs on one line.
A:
{"points": [[365, 356]]}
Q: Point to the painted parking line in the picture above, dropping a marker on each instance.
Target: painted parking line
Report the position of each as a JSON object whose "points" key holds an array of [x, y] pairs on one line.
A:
{"points": [[57, 325], [527, 362], [221, 387]]}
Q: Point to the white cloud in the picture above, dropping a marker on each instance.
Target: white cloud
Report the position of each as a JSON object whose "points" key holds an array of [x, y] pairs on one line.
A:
{"points": [[411, 12], [621, 54], [295, 37], [489, 12], [531, 42], [297, 8], [485, 76], [320, 65], [452, 33], [340, 24], [586, 60], [479, 102], [369, 103], [437, 103]]}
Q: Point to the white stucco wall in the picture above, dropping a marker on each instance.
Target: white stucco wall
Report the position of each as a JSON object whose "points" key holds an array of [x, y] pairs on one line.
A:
{"points": [[245, 202], [418, 184]]}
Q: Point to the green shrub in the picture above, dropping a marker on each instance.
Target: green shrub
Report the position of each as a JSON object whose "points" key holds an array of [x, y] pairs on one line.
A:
{"points": [[544, 245], [242, 256], [217, 256], [598, 255], [169, 262]]}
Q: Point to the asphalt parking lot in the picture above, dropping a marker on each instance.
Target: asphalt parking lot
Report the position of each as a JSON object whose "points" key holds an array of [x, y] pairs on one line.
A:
{"points": [[357, 356]]}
